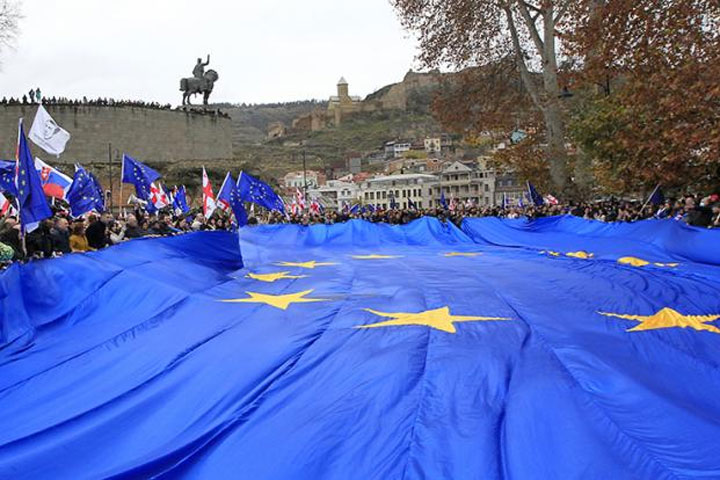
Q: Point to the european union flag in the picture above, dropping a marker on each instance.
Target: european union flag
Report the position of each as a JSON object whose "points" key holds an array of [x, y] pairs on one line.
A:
{"points": [[85, 193], [355, 209], [443, 201], [31, 198], [180, 200], [7, 177], [657, 197], [503, 349], [237, 205], [259, 192], [535, 197], [140, 175]]}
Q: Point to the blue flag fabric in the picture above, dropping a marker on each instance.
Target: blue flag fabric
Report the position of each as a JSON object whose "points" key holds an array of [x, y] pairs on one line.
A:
{"points": [[237, 205], [139, 175], [85, 194], [180, 200], [355, 209], [259, 192], [657, 197], [554, 349], [223, 197], [7, 177], [443, 201], [535, 197], [31, 198]]}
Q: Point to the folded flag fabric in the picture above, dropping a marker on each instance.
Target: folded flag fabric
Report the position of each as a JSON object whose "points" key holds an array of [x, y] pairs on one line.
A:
{"points": [[554, 349]]}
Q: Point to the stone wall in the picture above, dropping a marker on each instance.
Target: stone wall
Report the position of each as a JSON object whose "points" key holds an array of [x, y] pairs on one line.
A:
{"points": [[149, 135]]}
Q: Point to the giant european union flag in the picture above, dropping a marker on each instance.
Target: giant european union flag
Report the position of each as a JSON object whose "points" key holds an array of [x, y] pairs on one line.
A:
{"points": [[557, 349]]}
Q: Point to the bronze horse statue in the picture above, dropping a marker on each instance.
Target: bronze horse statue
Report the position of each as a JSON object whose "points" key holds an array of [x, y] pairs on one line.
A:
{"points": [[194, 85]]}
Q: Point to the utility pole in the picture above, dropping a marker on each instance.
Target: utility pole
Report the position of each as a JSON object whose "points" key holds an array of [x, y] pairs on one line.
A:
{"points": [[304, 176], [111, 175]]}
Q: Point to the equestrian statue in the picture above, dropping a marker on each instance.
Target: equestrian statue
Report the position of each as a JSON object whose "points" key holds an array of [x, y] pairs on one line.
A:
{"points": [[200, 82]]}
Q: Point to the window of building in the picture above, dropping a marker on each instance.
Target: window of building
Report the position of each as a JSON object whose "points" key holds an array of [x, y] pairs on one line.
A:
{"points": [[487, 187]]}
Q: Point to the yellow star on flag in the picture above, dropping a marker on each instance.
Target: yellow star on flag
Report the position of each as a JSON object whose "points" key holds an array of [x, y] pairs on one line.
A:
{"points": [[278, 301], [462, 254], [639, 262], [440, 319], [272, 277], [551, 253], [312, 264], [669, 318], [374, 257], [580, 254]]}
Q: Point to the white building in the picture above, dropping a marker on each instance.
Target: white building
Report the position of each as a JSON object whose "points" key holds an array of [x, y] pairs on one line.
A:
{"points": [[433, 145], [465, 184], [335, 193], [297, 179], [405, 188]]}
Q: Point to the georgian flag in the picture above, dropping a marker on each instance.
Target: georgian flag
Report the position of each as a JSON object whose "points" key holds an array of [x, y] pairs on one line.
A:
{"points": [[315, 207], [300, 198], [208, 196], [551, 200], [158, 197]]}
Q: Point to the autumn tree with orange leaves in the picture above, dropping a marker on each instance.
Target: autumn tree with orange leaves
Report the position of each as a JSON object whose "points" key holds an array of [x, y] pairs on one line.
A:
{"points": [[655, 114], [643, 75]]}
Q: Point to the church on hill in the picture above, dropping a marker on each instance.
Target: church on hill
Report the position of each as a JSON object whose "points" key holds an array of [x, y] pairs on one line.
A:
{"points": [[342, 103]]}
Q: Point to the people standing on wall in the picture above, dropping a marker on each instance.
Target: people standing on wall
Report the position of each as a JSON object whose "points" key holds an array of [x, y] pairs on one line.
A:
{"points": [[31, 93], [38, 95]]}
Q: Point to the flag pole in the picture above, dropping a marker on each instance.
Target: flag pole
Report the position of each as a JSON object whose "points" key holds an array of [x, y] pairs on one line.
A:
{"points": [[121, 207], [648, 200]]}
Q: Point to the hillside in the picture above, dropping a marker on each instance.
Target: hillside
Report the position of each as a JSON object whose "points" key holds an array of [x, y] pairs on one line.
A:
{"points": [[250, 122]]}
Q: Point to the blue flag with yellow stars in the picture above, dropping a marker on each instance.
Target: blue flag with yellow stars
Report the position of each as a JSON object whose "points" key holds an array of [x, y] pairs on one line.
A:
{"points": [[256, 191], [555, 349], [139, 175], [85, 194], [30, 195], [7, 177]]}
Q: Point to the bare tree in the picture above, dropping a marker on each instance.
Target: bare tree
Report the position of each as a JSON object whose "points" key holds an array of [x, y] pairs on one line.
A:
{"points": [[479, 32], [9, 20]]}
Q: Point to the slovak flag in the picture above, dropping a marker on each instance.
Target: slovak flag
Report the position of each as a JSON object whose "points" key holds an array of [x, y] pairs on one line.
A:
{"points": [[158, 197], [208, 196], [5, 205], [300, 198], [55, 184]]}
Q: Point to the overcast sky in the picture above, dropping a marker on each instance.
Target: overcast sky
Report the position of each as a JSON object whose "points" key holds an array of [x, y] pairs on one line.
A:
{"points": [[263, 50]]}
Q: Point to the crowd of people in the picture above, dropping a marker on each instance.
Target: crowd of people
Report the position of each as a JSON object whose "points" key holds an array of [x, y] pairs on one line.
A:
{"points": [[62, 235], [36, 98]]}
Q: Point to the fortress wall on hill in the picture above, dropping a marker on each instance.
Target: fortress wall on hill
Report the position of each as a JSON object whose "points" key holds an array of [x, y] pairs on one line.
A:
{"points": [[146, 134]]}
